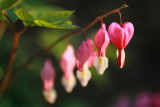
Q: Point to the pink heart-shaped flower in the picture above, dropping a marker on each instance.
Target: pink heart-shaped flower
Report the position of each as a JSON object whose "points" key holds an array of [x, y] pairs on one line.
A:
{"points": [[120, 36]]}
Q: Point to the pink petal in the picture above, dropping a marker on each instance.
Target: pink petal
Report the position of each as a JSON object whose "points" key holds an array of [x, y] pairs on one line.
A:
{"points": [[84, 52], [91, 59], [47, 84], [120, 36], [68, 61], [116, 34], [48, 75], [128, 33], [101, 40]]}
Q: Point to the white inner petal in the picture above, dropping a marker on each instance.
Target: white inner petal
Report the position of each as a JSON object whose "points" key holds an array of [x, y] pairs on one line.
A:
{"points": [[122, 57], [84, 76], [101, 64], [69, 83], [50, 95]]}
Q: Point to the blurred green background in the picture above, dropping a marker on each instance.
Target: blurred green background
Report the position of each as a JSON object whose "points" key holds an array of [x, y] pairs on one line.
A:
{"points": [[140, 73]]}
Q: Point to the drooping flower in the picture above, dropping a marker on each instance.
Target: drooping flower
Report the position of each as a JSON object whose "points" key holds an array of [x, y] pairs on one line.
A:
{"points": [[48, 76], [120, 36], [101, 40], [68, 63], [85, 58]]}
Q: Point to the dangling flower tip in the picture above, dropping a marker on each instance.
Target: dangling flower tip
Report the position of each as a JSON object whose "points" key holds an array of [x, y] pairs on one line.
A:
{"points": [[84, 77], [50, 95], [69, 83], [120, 58], [101, 64]]}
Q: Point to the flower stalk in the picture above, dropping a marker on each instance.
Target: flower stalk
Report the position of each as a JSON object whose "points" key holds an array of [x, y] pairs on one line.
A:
{"points": [[17, 34], [41, 53]]}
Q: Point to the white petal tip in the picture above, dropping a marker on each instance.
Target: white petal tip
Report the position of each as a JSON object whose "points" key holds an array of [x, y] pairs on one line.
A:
{"points": [[101, 64], [84, 77], [101, 72], [69, 83], [50, 95]]}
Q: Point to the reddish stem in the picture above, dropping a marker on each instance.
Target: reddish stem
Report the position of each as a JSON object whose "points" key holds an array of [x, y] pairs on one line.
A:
{"points": [[101, 23], [10, 64], [67, 42], [17, 34], [13, 27], [66, 36], [120, 18]]}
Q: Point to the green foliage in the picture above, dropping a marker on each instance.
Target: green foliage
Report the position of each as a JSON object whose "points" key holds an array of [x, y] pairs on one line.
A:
{"points": [[56, 16], [55, 19], [7, 4], [24, 16], [44, 18], [33, 9], [61, 25]]}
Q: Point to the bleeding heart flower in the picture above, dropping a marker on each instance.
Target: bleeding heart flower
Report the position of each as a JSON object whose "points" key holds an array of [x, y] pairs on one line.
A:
{"points": [[85, 58], [48, 77], [68, 63], [101, 40], [120, 36]]}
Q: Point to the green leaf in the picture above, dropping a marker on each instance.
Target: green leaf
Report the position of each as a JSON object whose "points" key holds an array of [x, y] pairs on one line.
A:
{"points": [[65, 25], [24, 16], [7, 4], [38, 9], [11, 14], [61, 25], [55, 19], [56, 16]]}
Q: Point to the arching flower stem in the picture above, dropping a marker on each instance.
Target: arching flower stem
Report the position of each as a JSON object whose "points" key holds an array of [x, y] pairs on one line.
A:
{"points": [[41, 53]]}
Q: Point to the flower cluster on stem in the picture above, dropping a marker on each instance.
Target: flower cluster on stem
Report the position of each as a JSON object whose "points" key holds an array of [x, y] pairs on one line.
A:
{"points": [[119, 35]]}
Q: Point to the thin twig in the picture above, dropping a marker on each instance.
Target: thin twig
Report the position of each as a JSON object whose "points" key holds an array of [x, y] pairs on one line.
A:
{"points": [[17, 34], [66, 36], [120, 18], [13, 27]]}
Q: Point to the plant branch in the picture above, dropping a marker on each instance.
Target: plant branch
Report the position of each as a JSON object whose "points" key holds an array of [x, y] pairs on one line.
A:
{"points": [[66, 36], [120, 18], [17, 34], [13, 27]]}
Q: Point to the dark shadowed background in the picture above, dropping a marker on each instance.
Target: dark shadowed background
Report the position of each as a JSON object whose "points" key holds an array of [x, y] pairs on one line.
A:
{"points": [[140, 74]]}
